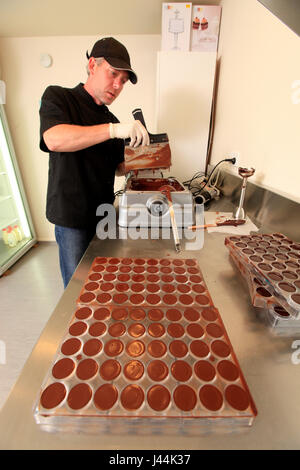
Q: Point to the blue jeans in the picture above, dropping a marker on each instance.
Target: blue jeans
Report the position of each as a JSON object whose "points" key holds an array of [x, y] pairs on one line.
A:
{"points": [[72, 243]]}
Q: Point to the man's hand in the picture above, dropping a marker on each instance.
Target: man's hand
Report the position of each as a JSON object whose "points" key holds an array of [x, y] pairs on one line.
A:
{"points": [[134, 130]]}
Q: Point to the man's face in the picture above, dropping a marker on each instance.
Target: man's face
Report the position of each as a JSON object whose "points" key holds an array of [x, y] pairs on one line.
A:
{"points": [[106, 82]]}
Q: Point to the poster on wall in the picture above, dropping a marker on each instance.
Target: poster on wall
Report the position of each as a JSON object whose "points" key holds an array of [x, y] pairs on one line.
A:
{"points": [[176, 26], [205, 28]]}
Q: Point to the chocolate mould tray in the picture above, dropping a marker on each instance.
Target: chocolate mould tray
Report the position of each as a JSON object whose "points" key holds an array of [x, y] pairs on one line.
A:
{"points": [[258, 289], [146, 370], [275, 316], [275, 260], [281, 321], [144, 281]]}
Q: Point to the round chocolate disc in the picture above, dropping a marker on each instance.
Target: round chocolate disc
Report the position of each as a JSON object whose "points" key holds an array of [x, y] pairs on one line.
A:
{"points": [[157, 370], [175, 330], [195, 330], [137, 314], [105, 397], [97, 329], [87, 369], [135, 348], [237, 397], [220, 348], [173, 314], [205, 371], [71, 346], [87, 297], [136, 330], [185, 398], [199, 348], [79, 396], [113, 347], [156, 330], [119, 313], [117, 329], [155, 314], [211, 397], [92, 347], [181, 371], [133, 370], [132, 397], [78, 328], [158, 397], [214, 330], [63, 368], [53, 395], [101, 313], [228, 370], [157, 348], [83, 313], [110, 369], [191, 314], [178, 348], [209, 314]]}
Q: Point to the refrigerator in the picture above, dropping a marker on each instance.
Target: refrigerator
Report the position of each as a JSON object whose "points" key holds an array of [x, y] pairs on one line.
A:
{"points": [[16, 228]]}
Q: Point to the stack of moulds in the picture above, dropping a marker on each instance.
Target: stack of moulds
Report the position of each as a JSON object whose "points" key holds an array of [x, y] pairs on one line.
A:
{"points": [[270, 264], [145, 351]]}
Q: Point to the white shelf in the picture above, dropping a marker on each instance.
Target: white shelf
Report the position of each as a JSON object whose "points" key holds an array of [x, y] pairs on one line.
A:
{"points": [[6, 222], [4, 198]]}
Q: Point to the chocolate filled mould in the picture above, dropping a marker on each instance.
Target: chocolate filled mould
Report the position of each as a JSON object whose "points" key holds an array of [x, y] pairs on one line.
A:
{"points": [[258, 289], [142, 282], [172, 367], [275, 260], [280, 321]]}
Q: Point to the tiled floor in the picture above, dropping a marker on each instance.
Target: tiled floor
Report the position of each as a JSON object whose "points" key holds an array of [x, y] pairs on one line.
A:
{"points": [[29, 293]]}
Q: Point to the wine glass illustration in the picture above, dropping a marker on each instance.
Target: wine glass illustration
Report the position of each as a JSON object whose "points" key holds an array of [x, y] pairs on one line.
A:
{"points": [[176, 27]]}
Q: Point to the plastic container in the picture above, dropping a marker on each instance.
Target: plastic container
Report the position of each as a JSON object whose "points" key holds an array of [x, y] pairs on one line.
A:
{"points": [[18, 233], [4, 236], [11, 237]]}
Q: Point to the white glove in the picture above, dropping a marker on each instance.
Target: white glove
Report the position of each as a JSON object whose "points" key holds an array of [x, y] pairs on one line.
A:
{"points": [[134, 130]]}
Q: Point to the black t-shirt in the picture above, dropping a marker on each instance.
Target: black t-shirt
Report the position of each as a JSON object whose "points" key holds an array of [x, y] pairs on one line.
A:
{"points": [[78, 182]]}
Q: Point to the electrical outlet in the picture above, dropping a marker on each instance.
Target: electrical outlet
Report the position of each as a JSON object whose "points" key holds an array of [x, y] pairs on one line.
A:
{"points": [[235, 155]]}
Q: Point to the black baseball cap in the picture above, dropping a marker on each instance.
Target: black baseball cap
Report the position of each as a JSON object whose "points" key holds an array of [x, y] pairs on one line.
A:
{"points": [[115, 54]]}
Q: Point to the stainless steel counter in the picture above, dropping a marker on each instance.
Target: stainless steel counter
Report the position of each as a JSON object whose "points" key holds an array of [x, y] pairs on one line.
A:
{"points": [[266, 361]]}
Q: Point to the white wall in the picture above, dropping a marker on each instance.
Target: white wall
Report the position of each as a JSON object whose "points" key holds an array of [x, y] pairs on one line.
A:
{"points": [[258, 111], [26, 81], [185, 82]]}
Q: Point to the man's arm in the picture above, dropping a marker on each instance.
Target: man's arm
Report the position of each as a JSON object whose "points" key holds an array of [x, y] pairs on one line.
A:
{"points": [[70, 138]]}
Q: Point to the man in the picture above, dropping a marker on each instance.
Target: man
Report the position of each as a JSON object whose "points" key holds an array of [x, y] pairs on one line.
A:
{"points": [[86, 147]]}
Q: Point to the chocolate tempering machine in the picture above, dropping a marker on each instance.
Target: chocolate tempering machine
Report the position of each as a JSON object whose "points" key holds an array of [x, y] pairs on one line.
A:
{"points": [[149, 199]]}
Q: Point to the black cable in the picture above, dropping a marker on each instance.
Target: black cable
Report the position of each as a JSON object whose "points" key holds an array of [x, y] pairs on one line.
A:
{"points": [[118, 193], [232, 160], [195, 176]]}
